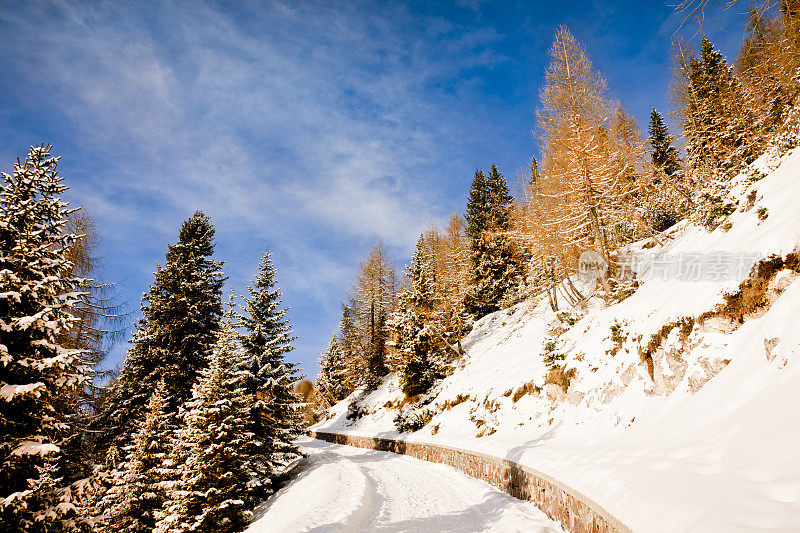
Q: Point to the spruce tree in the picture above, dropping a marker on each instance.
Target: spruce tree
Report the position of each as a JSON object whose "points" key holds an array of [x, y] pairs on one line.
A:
{"points": [[664, 155], [349, 345], [477, 207], [210, 494], [174, 337], [535, 176], [48, 511], [40, 379], [717, 122], [332, 379], [274, 415], [496, 269], [138, 491], [417, 331], [500, 201]]}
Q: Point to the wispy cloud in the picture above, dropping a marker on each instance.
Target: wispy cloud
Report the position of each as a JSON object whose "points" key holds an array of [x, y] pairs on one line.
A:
{"points": [[316, 130], [314, 127]]}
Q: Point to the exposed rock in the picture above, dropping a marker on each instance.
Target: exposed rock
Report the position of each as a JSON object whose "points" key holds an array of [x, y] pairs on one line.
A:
{"points": [[669, 369], [769, 346], [554, 392], [628, 375], [708, 369]]}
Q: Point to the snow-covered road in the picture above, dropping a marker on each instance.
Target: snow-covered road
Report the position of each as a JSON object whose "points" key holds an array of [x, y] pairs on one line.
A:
{"points": [[342, 488]]}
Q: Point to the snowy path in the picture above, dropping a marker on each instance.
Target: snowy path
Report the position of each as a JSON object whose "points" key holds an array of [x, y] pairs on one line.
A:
{"points": [[342, 488]]}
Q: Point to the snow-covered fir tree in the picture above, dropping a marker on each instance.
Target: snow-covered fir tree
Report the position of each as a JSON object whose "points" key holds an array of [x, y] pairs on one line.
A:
{"points": [[174, 337], [350, 346], [664, 155], [331, 383], [717, 123], [666, 197], [417, 331], [40, 379], [211, 490], [274, 415], [477, 206], [496, 269], [50, 508], [138, 486]]}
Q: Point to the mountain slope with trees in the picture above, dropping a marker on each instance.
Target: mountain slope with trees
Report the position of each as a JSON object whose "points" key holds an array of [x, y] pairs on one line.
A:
{"points": [[648, 377]]}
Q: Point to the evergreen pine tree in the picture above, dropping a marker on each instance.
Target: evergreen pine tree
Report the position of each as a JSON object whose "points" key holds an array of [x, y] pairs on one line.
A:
{"points": [[416, 329], [332, 379], [500, 200], [214, 477], [40, 379], [717, 122], [665, 198], [664, 155], [48, 509], [497, 271], [174, 337], [534, 178], [137, 491], [349, 345], [477, 207], [275, 417]]}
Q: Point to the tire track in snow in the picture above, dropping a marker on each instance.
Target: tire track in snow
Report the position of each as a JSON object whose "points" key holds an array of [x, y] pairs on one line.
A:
{"points": [[380, 491]]}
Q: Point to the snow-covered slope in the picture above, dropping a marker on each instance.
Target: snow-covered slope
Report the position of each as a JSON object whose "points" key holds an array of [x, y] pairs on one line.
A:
{"points": [[710, 442]]}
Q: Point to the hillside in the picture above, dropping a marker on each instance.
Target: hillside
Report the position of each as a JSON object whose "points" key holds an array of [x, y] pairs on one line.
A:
{"points": [[692, 426]]}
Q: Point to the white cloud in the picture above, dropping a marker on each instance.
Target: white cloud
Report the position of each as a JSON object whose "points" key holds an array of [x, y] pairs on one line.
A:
{"points": [[284, 123]]}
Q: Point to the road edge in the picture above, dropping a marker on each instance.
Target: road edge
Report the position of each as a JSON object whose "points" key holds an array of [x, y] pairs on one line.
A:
{"points": [[574, 511]]}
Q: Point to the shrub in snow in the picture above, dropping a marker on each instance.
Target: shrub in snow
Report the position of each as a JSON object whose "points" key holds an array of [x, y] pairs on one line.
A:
{"points": [[713, 205], [752, 293], [354, 410], [551, 356], [559, 375], [528, 388], [412, 420], [686, 324]]}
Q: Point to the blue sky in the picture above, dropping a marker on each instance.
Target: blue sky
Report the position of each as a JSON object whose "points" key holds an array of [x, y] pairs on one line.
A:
{"points": [[313, 127]]}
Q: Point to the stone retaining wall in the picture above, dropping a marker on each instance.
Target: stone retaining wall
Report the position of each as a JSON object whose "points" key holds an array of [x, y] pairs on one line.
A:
{"points": [[573, 510]]}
